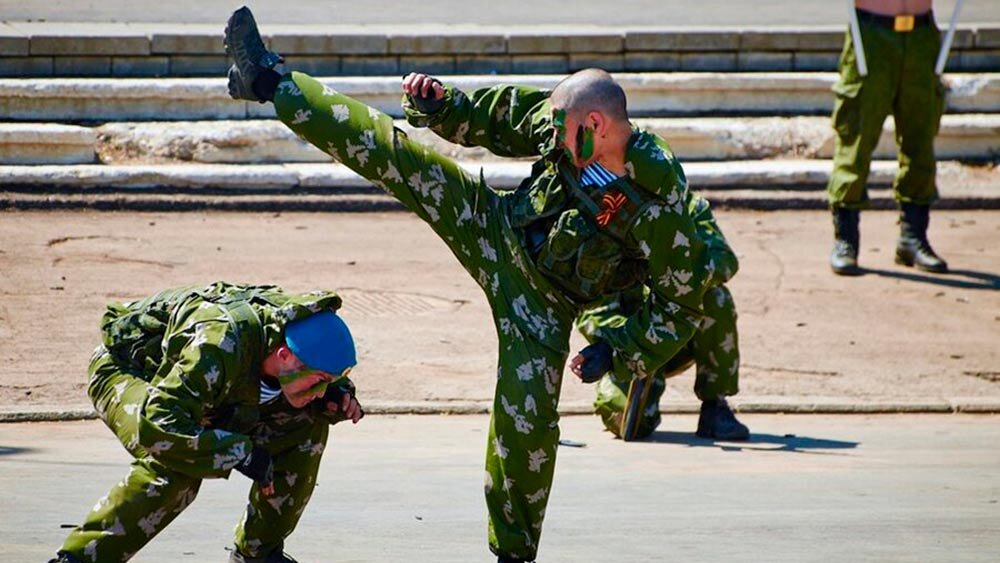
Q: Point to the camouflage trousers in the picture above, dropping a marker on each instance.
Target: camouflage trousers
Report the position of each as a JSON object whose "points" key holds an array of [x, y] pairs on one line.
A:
{"points": [[533, 320], [153, 494], [714, 350]]}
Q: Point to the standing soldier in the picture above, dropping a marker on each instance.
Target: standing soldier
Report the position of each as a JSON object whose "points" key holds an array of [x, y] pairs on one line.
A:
{"points": [[541, 253], [714, 350], [900, 44], [197, 382]]}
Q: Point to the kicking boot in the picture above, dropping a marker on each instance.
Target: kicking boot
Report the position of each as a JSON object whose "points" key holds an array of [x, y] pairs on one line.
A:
{"points": [[717, 422], [913, 248], [251, 58], [276, 556], [844, 258]]}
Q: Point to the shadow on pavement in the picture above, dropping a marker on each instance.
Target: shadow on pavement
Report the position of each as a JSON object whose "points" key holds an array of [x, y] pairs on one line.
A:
{"points": [[7, 450], [973, 279], [757, 442]]}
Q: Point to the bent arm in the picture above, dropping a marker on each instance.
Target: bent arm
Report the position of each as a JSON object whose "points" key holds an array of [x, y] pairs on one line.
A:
{"points": [[170, 423], [507, 120], [671, 309]]}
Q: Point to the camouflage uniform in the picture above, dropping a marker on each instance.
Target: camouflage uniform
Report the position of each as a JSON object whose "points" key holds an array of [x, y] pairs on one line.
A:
{"points": [[590, 247], [178, 382], [714, 349]]}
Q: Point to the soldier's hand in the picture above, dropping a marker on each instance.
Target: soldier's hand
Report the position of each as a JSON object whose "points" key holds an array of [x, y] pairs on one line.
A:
{"points": [[260, 467], [339, 399], [592, 362], [426, 92]]}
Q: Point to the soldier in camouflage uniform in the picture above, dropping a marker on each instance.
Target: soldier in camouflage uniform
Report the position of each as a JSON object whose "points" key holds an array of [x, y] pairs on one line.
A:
{"points": [[542, 253], [196, 382], [714, 349]]}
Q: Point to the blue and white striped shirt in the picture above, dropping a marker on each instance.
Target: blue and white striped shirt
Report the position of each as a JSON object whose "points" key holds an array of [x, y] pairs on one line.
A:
{"points": [[596, 175], [268, 393]]}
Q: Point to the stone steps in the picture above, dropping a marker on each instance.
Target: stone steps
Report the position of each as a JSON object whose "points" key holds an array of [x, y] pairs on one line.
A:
{"points": [[776, 184], [650, 94], [46, 48], [962, 137], [46, 143]]}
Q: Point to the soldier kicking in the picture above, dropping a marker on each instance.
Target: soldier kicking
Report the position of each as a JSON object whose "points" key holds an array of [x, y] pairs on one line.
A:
{"points": [[197, 382], [603, 211]]}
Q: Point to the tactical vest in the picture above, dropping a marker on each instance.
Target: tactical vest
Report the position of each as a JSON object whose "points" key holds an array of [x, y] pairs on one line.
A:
{"points": [[579, 237], [133, 333]]}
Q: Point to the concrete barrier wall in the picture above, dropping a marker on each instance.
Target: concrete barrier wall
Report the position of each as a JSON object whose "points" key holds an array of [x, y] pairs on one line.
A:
{"points": [[124, 50]]}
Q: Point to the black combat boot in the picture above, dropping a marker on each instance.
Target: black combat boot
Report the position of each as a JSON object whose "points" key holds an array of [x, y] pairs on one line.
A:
{"points": [[913, 248], [250, 77], [717, 422], [505, 559], [844, 259]]}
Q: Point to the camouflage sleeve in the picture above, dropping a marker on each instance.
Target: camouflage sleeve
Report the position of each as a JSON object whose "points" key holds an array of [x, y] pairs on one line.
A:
{"points": [[667, 318], [170, 424], [724, 263], [507, 120]]}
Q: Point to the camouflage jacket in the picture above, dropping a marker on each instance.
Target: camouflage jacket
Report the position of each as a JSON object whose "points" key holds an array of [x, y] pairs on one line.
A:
{"points": [[201, 349], [723, 262], [598, 240]]}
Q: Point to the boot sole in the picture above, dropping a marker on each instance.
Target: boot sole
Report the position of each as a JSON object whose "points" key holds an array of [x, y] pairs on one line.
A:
{"points": [[245, 91], [910, 263]]}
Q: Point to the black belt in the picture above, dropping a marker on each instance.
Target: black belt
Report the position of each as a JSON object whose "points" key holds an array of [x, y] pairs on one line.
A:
{"points": [[894, 22]]}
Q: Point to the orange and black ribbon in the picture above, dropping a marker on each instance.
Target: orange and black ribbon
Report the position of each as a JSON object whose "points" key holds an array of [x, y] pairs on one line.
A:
{"points": [[610, 204]]}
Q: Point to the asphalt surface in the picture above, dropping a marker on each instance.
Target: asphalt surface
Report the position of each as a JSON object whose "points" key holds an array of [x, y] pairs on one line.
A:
{"points": [[591, 13], [920, 488]]}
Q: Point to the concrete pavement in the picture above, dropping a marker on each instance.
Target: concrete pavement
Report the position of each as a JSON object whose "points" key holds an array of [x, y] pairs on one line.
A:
{"points": [[920, 488]]}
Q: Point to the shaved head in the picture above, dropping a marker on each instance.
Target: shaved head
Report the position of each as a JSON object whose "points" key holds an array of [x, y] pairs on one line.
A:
{"points": [[590, 90]]}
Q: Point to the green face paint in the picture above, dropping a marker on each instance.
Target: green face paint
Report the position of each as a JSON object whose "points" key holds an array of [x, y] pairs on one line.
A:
{"points": [[559, 122], [584, 143], [289, 377], [584, 137], [318, 389]]}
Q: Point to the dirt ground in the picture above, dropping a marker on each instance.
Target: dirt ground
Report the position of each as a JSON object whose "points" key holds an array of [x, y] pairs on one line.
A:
{"points": [[424, 331]]}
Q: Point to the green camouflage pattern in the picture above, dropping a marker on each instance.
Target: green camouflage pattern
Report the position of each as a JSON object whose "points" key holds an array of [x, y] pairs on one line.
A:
{"points": [[194, 413], [533, 308], [714, 348], [901, 82]]}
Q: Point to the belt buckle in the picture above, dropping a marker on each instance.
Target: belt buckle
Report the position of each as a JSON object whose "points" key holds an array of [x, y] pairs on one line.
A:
{"points": [[903, 23]]}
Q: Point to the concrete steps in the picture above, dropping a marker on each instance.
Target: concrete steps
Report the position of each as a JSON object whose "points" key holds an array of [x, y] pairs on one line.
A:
{"points": [[47, 48], [771, 152], [775, 184], [962, 137], [46, 143], [650, 94]]}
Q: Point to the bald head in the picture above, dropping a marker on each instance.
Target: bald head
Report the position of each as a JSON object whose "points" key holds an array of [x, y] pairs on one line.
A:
{"points": [[590, 90]]}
